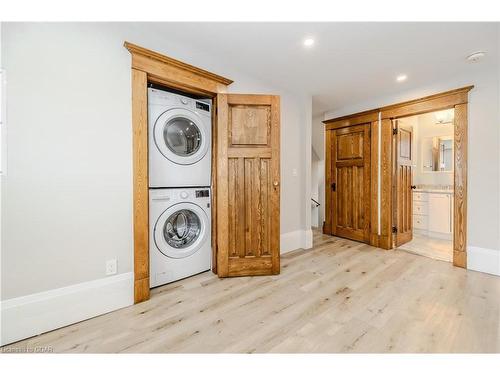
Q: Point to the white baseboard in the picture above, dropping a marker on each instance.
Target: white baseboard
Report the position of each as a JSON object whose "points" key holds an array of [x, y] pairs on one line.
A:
{"points": [[299, 239], [30, 315], [483, 260]]}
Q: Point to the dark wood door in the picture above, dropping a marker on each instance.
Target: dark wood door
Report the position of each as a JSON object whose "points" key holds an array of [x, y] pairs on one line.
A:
{"points": [[248, 185], [403, 182], [350, 182]]}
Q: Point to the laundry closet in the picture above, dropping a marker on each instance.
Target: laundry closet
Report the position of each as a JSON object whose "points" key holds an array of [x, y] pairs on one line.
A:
{"points": [[206, 173]]}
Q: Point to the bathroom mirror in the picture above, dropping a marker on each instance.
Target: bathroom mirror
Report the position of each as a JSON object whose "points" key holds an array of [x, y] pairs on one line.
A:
{"points": [[437, 154]]}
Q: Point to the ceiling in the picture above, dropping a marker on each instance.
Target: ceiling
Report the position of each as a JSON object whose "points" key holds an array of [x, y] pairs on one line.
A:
{"points": [[349, 62]]}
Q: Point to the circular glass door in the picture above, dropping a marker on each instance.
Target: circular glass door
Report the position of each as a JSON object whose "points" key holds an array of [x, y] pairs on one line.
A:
{"points": [[181, 137], [181, 230]]}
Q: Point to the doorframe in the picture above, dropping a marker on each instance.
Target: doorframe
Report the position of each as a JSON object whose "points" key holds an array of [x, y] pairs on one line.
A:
{"points": [[152, 67], [382, 117]]}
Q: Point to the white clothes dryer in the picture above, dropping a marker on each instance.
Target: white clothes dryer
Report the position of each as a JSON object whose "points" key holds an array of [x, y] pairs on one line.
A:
{"points": [[180, 134]]}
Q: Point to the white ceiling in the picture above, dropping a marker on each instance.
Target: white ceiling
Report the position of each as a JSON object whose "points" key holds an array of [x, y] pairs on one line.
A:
{"points": [[350, 62]]}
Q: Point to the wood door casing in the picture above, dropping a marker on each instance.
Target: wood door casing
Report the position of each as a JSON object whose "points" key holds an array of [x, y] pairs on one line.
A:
{"points": [[383, 204], [248, 128], [403, 181], [350, 182], [152, 67]]}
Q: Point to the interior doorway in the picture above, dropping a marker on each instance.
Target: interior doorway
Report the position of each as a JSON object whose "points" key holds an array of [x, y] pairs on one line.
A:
{"points": [[423, 184], [383, 122]]}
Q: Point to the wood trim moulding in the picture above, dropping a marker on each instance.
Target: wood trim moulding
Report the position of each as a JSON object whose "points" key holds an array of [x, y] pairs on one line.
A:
{"points": [[444, 100], [385, 238], [138, 50], [447, 99], [374, 138], [355, 119], [173, 73], [460, 188], [141, 185]]}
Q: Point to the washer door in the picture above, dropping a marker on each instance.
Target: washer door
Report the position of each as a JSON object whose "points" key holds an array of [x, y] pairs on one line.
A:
{"points": [[181, 230], [180, 136]]}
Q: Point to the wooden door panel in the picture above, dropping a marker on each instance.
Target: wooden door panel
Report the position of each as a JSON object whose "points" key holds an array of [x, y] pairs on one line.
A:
{"points": [[351, 178], [248, 185], [404, 180], [350, 146], [249, 125]]}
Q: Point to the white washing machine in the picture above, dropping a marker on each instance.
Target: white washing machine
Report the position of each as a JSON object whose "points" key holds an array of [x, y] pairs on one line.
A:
{"points": [[179, 234], [179, 140]]}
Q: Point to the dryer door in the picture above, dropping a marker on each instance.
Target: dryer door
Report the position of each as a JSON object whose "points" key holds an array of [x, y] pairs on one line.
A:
{"points": [[181, 136], [181, 230]]}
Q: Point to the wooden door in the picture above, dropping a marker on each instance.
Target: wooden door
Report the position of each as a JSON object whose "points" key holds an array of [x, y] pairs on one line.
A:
{"points": [[248, 185], [350, 182], [403, 182]]}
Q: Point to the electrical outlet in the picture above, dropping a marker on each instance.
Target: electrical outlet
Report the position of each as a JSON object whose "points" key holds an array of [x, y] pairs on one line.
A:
{"points": [[111, 267], [294, 172]]}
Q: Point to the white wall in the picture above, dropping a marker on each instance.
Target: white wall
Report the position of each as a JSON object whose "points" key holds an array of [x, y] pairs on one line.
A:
{"points": [[67, 199], [318, 184], [315, 173], [483, 157]]}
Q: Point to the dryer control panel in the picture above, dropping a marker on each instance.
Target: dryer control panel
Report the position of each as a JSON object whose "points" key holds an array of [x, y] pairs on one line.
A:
{"points": [[202, 193]]}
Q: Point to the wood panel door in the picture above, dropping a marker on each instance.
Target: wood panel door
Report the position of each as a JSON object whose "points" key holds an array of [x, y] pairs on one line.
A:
{"points": [[248, 185], [350, 182], [403, 182]]}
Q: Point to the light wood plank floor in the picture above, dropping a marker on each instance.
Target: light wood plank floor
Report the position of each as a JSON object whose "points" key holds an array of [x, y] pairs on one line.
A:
{"points": [[434, 248], [340, 296]]}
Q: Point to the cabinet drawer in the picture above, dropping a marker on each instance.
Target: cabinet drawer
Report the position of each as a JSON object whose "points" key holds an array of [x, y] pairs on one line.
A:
{"points": [[419, 208], [419, 222], [419, 196]]}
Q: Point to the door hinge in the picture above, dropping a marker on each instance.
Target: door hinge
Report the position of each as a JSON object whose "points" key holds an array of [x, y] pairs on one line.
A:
{"points": [[334, 186], [395, 131], [394, 230]]}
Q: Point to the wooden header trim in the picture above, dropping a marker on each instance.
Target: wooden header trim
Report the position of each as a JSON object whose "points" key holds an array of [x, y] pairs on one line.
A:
{"points": [[443, 100], [135, 49], [356, 119]]}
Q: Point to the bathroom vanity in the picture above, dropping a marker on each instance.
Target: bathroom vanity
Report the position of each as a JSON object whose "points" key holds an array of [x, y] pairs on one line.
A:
{"points": [[433, 211]]}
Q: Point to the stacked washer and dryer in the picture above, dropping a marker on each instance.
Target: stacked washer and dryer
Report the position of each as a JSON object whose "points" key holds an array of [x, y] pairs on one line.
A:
{"points": [[179, 186]]}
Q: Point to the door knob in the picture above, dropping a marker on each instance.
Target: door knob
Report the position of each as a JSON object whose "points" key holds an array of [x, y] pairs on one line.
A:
{"points": [[276, 183], [413, 187]]}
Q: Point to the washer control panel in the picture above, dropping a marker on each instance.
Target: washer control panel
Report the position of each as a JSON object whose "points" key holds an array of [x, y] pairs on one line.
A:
{"points": [[202, 193]]}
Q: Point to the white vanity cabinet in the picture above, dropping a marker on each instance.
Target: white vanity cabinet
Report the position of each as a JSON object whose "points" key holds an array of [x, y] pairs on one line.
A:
{"points": [[440, 213], [433, 213]]}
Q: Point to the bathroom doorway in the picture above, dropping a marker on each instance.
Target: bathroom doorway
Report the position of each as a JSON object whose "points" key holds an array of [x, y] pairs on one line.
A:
{"points": [[423, 184]]}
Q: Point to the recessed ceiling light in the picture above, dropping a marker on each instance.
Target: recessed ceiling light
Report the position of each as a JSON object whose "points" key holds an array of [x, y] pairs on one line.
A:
{"points": [[401, 78], [476, 56], [308, 42]]}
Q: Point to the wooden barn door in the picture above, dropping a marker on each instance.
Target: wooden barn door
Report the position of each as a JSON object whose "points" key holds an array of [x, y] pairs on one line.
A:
{"points": [[403, 208], [248, 185], [350, 184]]}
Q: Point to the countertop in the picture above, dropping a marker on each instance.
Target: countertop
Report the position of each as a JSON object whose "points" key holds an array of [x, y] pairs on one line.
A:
{"points": [[431, 190]]}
